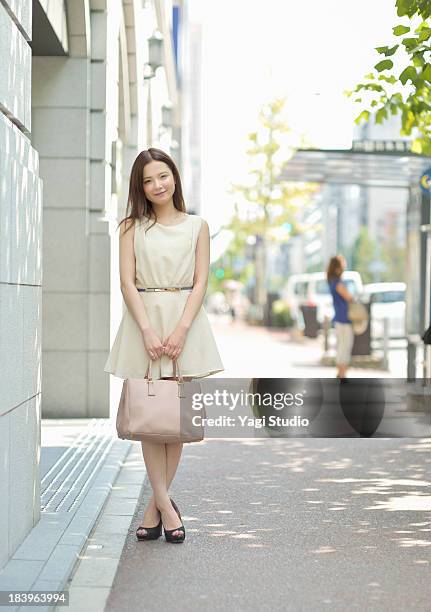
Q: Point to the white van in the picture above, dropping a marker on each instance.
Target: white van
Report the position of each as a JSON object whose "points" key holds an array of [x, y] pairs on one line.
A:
{"points": [[312, 290], [388, 301]]}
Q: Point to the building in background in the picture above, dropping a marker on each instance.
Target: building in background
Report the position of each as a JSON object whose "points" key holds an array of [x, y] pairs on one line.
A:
{"points": [[191, 95], [342, 214], [87, 85]]}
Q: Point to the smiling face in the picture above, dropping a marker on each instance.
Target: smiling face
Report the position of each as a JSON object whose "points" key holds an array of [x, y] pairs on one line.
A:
{"points": [[159, 184]]}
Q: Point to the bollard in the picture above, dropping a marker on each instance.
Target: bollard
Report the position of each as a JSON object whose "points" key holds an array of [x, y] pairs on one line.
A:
{"points": [[385, 362], [426, 366], [326, 326]]}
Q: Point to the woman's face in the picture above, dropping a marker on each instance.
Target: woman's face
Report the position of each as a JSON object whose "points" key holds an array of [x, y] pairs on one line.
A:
{"points": [[159, 184]]}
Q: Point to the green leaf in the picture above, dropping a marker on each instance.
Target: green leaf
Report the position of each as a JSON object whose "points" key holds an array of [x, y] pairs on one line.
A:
{"points": [[418, 60], [407, 74], [413, 7], [399, 30], [385, 64], [416, 146], [424, 34], [425, 146], [364, 115], [409, 122], [397, 97], [388, 79], [410, 43], [403, 7], [386, 50], [373, 87], [381, 115], [426, 73]]}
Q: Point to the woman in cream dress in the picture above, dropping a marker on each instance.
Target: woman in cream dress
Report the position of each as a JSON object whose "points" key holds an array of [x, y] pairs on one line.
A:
{"points": [[162, 247]]}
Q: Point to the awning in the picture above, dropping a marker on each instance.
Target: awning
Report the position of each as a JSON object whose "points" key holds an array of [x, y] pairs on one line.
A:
{"points": [[352, 167]]}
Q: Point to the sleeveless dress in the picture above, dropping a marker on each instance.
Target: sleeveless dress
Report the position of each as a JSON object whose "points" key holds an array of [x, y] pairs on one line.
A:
{"points": [[165, 257]]}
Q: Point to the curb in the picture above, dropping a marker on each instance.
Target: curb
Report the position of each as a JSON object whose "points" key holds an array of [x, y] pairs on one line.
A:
{"points": [[47, 556], [90, 584]]}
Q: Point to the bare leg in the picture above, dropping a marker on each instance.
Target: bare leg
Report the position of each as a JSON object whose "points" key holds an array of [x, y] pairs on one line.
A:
{"points": [[173, 455], [156, 464], [160, 482], [342, 369]]}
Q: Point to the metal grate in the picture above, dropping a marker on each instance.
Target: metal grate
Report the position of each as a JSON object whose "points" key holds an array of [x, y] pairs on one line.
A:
{"points": [[68, 480]]}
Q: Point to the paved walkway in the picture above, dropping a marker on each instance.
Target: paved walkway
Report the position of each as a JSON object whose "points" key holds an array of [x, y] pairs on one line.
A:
{"points": [[289, 525], [271, 524], [80, 459], [252, 351]]}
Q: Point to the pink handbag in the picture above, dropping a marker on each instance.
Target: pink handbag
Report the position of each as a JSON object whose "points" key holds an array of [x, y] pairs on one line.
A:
{"points": [[160, 410]]}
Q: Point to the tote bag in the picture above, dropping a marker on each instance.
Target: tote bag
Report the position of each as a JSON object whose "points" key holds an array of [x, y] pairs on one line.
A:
{"points": [[160, 410]]}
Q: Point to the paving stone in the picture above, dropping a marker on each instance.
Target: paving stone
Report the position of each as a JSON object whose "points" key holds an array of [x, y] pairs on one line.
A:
{"points": [[95, 571], [19, 574], [82, 598]]}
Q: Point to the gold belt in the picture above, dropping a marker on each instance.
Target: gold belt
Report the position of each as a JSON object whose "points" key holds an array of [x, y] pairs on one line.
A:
{"points": [[163, 288]]}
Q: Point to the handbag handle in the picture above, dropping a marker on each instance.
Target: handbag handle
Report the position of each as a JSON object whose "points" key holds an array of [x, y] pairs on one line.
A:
{"points": [[175, 367]]}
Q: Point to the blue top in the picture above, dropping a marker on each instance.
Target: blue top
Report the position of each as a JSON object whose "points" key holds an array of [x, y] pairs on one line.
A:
{"points": [[340, 304]]}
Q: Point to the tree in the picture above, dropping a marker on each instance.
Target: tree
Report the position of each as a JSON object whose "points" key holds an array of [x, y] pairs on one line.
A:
{"points": [[385, 92], [364, 255], [269, 204], [394, 257], [233, 264]]}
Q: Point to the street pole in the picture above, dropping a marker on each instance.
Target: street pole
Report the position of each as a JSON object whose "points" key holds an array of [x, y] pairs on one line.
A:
{"points": [[427, 300]]}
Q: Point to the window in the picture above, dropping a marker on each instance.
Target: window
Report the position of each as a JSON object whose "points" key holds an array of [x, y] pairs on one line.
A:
{"points": [[301, 288], [351, 286], [322, 287], [386, 297]]}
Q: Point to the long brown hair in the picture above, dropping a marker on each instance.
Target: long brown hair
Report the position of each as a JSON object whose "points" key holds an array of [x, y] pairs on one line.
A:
{"points": [[138, 204], [335, 268]]}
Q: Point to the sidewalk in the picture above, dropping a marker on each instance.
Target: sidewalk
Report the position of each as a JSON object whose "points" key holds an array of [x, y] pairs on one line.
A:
{"points": [[89, 585], [265, 509], [287, 525], [80, 459], [254, 351], [272, 524]]}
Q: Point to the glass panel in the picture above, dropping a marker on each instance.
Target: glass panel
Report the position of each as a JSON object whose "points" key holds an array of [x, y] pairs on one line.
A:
{"points": [[389, 296], [322, 287], [351, 286]]}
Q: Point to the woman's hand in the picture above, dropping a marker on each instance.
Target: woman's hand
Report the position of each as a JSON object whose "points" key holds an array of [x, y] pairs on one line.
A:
{"points": [[175, 342], [152, 343]]}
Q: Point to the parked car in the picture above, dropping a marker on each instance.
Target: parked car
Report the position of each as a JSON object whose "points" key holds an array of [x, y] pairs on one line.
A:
{"points": [[312, 290], [216, 303], [388, 300]]}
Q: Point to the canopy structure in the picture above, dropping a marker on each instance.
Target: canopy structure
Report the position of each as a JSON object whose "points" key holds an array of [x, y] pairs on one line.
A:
{"points": [[388, 167], [385, 164]]}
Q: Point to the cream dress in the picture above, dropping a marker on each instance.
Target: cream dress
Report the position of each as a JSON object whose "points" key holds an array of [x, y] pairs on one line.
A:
{"points": [[165, 257]]}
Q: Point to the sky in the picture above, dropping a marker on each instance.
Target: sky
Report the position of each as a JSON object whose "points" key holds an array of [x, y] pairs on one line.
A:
{"points": [[310, 52]]}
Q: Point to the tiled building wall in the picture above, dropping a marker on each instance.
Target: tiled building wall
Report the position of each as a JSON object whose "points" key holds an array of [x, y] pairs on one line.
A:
{"points": [[20, 285]]}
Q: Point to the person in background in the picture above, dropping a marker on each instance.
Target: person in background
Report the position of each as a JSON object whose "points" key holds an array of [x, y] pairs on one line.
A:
{"points": [[343, 326]]}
